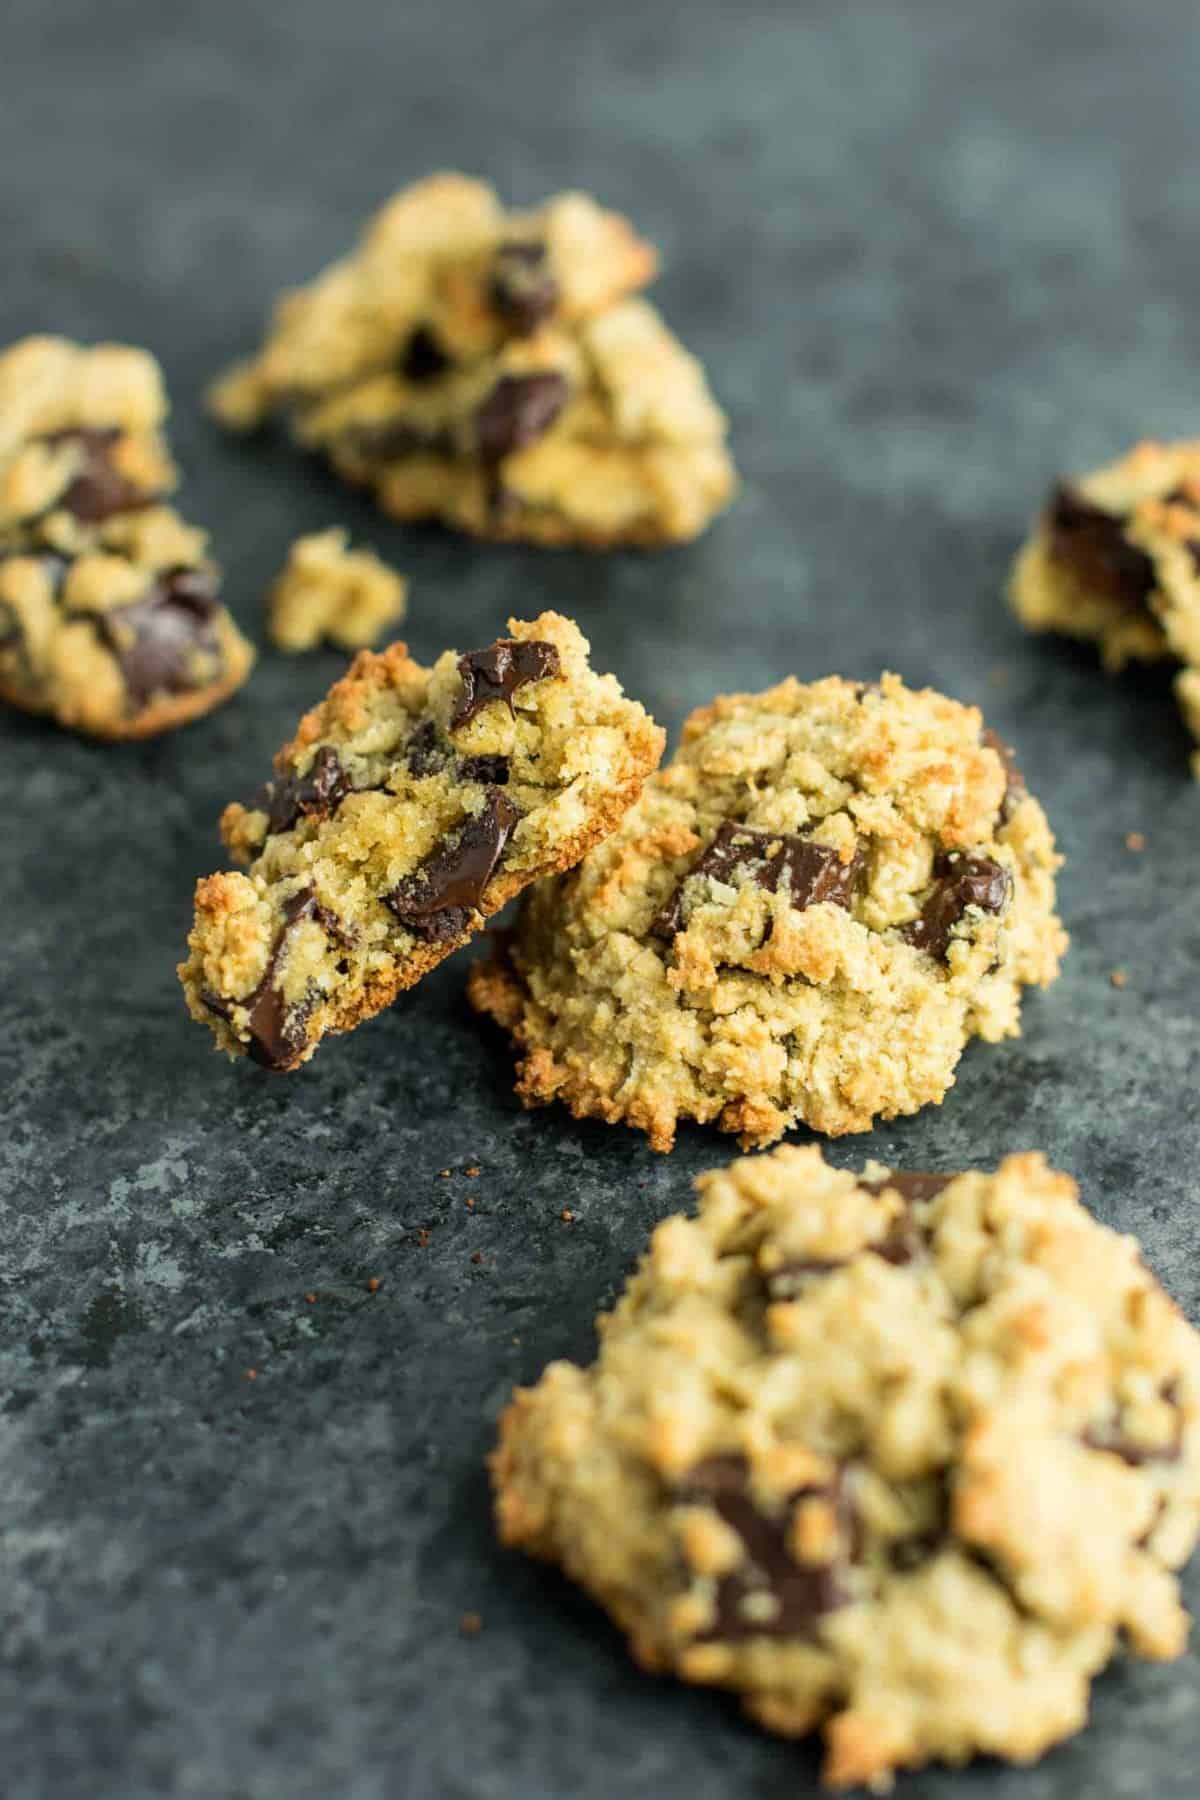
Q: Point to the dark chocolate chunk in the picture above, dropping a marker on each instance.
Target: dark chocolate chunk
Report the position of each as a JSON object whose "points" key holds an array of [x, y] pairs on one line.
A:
{"points": [[276, 1029], [427, 754], [961, 880], [497, 672], [437, 900], [490, 771], [522, 290], [1093, 542], [1118, 1443], [912, 1185], [99, 489], [315, 795], [423, 358], [518, 411], [802, 1592], [158, 637], [1014, 787], [903, 1242], [809, 872]]}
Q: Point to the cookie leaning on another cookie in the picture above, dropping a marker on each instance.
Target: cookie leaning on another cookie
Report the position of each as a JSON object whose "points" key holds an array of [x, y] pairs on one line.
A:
{"points": [[411, 805], [898, 1456], [812, 908], [109, 616], [489, 369], [1115, 560]]}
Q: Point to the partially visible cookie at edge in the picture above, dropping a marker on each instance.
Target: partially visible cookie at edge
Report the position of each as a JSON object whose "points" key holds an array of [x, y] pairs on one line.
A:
{"points": [[110, 617], [1115, 560], [328, 592], [818, 901], [900, 1457], [411, 805]]}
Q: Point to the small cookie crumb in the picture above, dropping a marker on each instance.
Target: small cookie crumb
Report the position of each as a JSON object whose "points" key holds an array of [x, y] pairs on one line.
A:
{"points": [[472, 1171], [566, 1215], [310, 1299], [471, 1624], [1135, 840], [423, 1239], [328, 591], [251, 1374], [374, 1285], [477, 1256], [469, 1202], [1118, 978], [443, 1174]]}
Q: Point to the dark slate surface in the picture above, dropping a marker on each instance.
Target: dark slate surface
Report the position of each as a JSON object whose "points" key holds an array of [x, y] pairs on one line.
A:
{"points": [[930, 255]]}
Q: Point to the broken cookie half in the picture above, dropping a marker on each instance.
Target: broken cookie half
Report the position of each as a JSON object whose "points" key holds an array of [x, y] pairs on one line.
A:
{"points": [[489, 369], [411, 805], [110, 620], [1115, 560]]}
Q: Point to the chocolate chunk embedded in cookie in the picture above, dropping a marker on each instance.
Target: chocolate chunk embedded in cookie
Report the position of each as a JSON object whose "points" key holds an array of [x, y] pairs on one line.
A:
{"points": [[411, 804], [913, 1501], [809, 912]]}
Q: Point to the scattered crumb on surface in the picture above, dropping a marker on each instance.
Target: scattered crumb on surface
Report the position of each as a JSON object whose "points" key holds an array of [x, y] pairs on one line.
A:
{"points": [[1118, 978], [471, 1624], [477, 1256], [251, 1374], [423, 1239], [1135, 840], [469, 1203], [310, 1299], [566, 1215], [443, 1174], [374, 1285], [472, 1171]]}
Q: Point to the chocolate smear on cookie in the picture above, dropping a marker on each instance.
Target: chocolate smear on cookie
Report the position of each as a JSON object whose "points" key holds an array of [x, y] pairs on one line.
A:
{"points": [[166, 640], [437, 900], [99, 490], [1093, 543], [518, 411], [277, 1028], [316, 795], [498, 671], [522, 289], [807, 872]]}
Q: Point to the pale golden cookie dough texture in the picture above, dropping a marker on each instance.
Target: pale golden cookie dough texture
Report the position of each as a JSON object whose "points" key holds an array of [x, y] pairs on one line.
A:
{"points": [[491, 369], [411, 805], [811, 909], [109, 616], [1115, 560], [328, 591], [897, 1456]]}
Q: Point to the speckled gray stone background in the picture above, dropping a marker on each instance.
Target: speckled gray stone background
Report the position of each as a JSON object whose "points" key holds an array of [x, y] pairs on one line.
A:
{"points": [[930, 254]]}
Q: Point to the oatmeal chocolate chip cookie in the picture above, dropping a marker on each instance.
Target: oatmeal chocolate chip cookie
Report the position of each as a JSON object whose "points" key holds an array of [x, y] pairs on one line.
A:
{"points": [[489, 370], [1115, 560], [109, 616], [901, 1456], [411, 804], [808, 913], [329, 591]]}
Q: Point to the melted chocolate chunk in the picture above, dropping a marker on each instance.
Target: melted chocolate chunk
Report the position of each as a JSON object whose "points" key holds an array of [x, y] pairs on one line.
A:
{"points": [[316, 795], [437, 900], [518, 411], [489, 771], [1118, 1443], [961, 881], [912, 1185], [158, 637], [1093, 542], [802, 1592], [902, 1243], [497, 672], [808, 872], [423, 358], [99, 490], [277, 1029], [1014, 788], [523, 291]]}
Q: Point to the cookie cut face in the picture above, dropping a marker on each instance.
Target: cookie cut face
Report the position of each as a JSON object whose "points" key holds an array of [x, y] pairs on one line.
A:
{"points": [[490, 369], [898, 1456], [329, 592], [1115, 560], [411, 805], [812, 908], [110, 620]]}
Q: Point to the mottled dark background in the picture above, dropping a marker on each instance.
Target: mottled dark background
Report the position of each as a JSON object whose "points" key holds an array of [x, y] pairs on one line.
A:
{"points": [[930, 254]]}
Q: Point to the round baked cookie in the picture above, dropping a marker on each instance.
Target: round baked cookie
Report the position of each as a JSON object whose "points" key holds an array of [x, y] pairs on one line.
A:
{"points": [[806, 915], [897, 1455]]}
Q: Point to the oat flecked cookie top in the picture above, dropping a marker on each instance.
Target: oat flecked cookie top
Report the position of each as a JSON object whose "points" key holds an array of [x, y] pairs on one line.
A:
{"points": [[109, 616], [901, 1456], [825, 893], [491, 369], [1115, 560], [411, 805]]}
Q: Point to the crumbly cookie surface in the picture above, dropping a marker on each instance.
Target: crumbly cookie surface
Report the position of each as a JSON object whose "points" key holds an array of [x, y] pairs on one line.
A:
{"points": [[109, 613], [328, 591], [490, 370], [814, 905], [898, 1456], [1115, 560], [411, 805]]}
